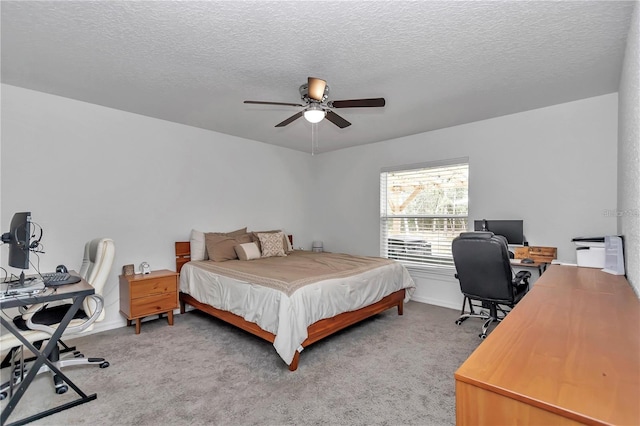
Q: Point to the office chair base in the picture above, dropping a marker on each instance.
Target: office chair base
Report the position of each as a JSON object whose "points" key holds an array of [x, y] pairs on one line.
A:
{"points": [[465, 317], [21, 368], [489, 317], [100, 362], [6, 362], [486, 325]]}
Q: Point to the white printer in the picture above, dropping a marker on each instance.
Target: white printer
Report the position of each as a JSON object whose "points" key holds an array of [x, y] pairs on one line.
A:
{"points": [[590, 251], [606, 253]]}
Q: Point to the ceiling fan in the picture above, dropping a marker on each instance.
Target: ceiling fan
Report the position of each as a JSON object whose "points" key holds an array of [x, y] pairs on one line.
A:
{"points": [[316, 105]]}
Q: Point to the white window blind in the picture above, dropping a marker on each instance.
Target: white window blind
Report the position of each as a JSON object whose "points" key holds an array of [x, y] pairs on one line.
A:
{"points": [[422, 209]]}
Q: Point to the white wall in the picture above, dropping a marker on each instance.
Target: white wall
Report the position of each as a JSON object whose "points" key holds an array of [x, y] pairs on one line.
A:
{"points": [[147, 182], [555, 168], [85, 171], [629, 153]]}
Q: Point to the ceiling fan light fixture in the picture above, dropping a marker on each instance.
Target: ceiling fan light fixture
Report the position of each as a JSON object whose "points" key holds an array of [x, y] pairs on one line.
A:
{"points": [[314, 114]]}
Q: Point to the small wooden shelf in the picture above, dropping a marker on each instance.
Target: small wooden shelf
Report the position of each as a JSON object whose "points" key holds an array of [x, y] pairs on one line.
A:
{"points": [[151, 294], [538, 254]]}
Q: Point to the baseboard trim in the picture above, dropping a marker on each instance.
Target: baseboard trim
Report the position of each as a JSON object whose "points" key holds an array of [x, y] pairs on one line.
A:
{"points": [[121, 322], [117, 323], [436, 302]]}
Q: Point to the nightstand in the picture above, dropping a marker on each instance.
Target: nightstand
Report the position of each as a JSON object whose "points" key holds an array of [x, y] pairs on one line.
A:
{"points": [[151, 294]]}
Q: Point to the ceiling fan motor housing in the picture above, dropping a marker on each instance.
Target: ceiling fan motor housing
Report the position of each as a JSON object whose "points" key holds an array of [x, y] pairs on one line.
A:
{"points": [[304, 94]]}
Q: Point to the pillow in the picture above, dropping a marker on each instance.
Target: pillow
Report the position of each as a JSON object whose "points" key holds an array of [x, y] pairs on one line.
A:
{"points": [[237, 232], [247, 251], [198, 247], [272, 244], [285, 239], [221, 247], [233, 234]]}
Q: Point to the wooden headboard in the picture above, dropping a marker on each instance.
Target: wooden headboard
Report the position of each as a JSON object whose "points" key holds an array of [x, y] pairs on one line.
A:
{"points": [[183, 252]]}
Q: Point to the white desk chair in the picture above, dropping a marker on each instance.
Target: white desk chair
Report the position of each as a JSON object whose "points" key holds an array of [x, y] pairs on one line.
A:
{"points": [[41, 321]]}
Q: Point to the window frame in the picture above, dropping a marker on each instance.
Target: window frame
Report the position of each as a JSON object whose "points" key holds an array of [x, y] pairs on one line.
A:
{"points": [[385, 217]]}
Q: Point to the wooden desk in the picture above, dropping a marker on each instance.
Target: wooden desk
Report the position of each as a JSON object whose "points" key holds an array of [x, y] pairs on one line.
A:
{"points": [[540, 266], [568, 353], [517, 262]]}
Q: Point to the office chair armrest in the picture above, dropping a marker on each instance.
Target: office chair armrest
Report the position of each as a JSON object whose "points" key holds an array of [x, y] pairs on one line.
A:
{"points": [[28, 311], [72, 329], [522, 278]]}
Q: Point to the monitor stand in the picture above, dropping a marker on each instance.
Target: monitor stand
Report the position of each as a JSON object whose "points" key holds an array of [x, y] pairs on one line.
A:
{"points": [[21, 282]]}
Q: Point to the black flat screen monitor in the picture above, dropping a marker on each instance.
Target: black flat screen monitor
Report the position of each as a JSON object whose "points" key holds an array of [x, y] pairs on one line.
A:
{"points": [[512, 230], [18, 239]]}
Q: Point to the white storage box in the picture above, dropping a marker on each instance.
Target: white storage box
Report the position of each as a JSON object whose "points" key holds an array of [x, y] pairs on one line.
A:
{"points": [[590, 251], [613, 255]]}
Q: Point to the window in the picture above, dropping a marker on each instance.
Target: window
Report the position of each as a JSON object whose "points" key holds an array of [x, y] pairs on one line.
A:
{"points": [[422, 209]]}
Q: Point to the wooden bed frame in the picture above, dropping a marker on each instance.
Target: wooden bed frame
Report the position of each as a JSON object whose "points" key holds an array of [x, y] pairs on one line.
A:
{"points": [[317, 331]]}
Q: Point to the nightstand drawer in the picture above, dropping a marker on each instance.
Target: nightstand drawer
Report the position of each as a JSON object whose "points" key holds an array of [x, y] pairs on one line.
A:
{"points": [[153, 304], [153, 286]]}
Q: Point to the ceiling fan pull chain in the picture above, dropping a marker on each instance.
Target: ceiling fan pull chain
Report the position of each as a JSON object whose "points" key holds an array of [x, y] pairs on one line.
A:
{"points": [[314, 138]]}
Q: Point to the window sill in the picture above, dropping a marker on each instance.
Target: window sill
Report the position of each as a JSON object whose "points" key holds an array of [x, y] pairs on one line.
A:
{"points": [[431, 270]]}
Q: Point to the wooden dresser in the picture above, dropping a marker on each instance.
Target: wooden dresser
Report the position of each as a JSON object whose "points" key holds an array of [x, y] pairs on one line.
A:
{"points": [[150, 294], [568, 353]]}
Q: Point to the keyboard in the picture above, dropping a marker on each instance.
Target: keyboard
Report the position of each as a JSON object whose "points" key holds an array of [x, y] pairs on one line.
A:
{"points": [[59, 278]]}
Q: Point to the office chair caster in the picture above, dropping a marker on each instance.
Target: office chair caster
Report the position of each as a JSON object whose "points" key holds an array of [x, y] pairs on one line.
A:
{"points": [[60, 385], [482, 336], [3, 395], [104, 364], [459, 321]]}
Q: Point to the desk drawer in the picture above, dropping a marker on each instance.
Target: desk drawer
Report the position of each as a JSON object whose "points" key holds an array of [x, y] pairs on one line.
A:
{"points": [[153, 286], [153, 304]]}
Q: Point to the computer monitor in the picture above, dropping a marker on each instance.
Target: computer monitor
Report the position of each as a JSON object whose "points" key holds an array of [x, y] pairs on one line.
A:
{"points": [[512, 230], [18, 238]]}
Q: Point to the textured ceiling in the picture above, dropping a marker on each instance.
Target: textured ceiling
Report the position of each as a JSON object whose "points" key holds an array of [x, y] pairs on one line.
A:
{"points": [[438, 64]]}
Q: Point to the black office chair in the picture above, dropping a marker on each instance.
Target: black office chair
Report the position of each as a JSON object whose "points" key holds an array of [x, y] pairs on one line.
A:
{"points": [[485, 275]]}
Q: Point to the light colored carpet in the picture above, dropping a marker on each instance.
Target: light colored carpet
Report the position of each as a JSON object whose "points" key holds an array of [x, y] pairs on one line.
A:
{"points": [[390, 369]]}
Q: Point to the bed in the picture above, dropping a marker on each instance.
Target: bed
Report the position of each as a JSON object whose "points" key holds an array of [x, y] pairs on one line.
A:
{"points": [[295, 309]]}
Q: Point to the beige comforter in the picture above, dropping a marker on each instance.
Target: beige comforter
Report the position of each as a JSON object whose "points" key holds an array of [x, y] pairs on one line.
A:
{"points": [[284, 300], [299, 268]]}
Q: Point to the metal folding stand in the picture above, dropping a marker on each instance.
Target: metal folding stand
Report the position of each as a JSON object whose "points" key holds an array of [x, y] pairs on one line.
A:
{"points": [[41, 357]]}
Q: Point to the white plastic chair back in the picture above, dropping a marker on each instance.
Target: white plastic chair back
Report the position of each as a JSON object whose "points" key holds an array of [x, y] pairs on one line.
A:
{"points": [[96, 266]]}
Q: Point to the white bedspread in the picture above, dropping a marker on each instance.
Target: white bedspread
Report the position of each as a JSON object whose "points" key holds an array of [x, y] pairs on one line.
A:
{"points": [[288, 317]]}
